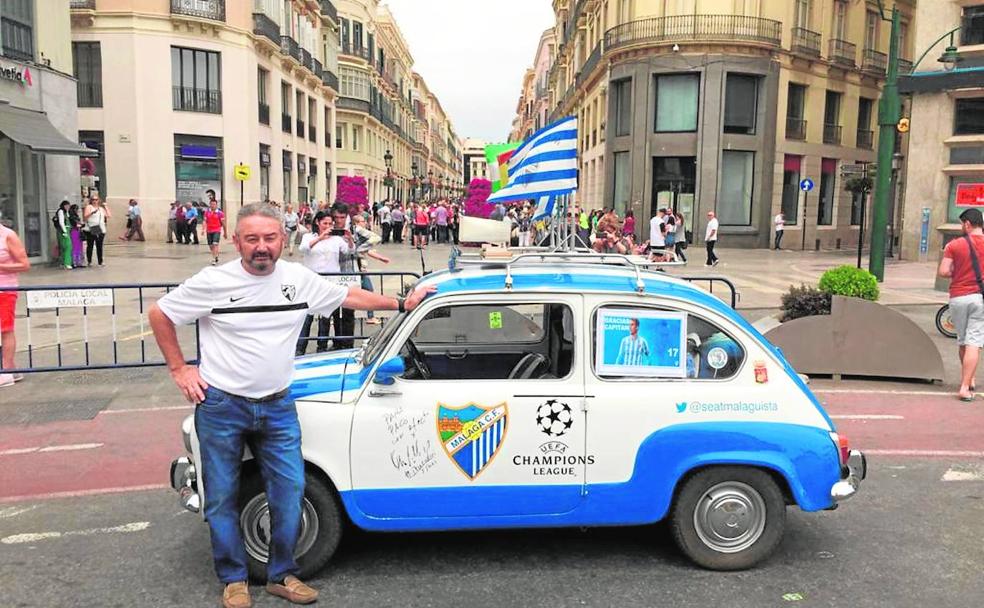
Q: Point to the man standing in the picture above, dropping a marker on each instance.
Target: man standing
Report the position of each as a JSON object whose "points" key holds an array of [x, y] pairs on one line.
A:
{"points": [[633, 350], [134, 221], [441, 219], [191, 223], [250, 312], [710, 238], [657, 231], [961, 263], [780, 222], [172, 222], [385, 221], [215, 226], [13, 260], [182, 224], [398, 219]]}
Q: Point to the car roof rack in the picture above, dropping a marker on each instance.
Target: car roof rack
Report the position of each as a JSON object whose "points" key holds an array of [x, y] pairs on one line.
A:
{"points": [[636, 263]]}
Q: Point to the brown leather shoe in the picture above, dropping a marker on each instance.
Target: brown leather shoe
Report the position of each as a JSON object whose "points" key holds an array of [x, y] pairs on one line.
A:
{"points": [[236, 595], [293, 590]]}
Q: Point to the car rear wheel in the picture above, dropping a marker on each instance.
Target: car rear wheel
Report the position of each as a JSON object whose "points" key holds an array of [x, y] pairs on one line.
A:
{"points": [[728, 518], [321, 526]]}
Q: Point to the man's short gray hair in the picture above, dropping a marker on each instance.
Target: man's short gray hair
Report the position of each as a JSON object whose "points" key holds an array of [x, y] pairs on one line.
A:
{"points": [[261, 209]]}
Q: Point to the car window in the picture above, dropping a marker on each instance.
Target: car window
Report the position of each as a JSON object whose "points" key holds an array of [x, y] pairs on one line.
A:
{"points": [[481, 324], [661, 343]]}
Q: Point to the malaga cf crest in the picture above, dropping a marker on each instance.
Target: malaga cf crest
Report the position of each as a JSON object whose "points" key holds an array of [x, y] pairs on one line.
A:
{"points": [[471, 435]]}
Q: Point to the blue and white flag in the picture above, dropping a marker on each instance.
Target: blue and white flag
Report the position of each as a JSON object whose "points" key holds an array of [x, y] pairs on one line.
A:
{"points": [[544, 207], [545, 164]]}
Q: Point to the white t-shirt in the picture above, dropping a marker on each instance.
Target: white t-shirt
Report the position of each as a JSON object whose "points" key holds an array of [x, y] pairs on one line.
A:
{"points": [[249, 324], [780, 223], [384, 215], [325, 255], [656, 236], [711, 234]]}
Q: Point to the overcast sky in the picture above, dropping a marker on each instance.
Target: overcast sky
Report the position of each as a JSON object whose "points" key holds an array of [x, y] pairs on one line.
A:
{"points": [[473, 54]]}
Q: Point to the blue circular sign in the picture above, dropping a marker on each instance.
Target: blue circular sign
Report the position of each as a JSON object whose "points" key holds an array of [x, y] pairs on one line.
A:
{"points": [[806, 185]]}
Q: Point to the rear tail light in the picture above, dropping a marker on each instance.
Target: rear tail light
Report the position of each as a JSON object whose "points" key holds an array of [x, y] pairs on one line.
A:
{"points": [[843, 447]]}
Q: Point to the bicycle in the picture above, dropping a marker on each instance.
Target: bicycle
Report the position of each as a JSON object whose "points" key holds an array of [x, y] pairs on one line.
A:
{"points": [[944, 322]]}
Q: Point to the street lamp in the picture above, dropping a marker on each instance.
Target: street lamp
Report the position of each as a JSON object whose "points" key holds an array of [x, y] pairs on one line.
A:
{"points": [[430, 184], [389, 175], [414, 183]]}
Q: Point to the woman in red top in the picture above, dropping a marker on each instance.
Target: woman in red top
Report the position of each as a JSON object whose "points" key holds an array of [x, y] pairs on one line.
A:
{"points": [[421, 224], [215, 226]]}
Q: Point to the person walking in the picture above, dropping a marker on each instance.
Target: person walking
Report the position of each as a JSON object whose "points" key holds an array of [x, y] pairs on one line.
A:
{"points": [[398, 220], [441, 220], [291, 220], [215, 227], [13, 261], [75, 221], [134, 222], [962, 262], [191, 223], [710, 239], [250, 311], [94, 217], [63, 230], [680, 241], [322, 250], [657, 231], [780, 223], [172, 222], [421, 225], [385, 215], [365, 240], [455, 223], [182, 224]]}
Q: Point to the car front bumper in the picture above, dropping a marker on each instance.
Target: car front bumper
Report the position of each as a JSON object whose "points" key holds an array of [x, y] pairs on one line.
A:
{"points": [[184, 480], [854, 472]]}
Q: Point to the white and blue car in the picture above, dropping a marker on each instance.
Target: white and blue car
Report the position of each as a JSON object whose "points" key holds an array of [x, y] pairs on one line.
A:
{"points": [[555, 392]]}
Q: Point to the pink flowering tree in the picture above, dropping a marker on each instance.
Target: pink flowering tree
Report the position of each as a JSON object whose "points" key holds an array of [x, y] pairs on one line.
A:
{"points": [[353, 192], [476, 201]]}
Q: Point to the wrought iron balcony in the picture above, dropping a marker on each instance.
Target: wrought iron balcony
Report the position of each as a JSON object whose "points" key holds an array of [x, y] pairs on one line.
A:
{"points": [[264, 111], [795, 128], [189, 99], [352, 103], [317, 68], [905, 66], [589, 65], [85, 5], [874, 62], [328, 9], [329, 79], [306, 59], [842, 52], [312, 133], [806, 42], [267, 27], [866, 139], [355, 51], [203, 9], [687, 28], [289, 46], [300, 128], [286, 122], [832, 134]]}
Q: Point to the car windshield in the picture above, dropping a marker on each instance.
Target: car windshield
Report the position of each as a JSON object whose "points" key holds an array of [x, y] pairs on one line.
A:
{"points": [[375, 345]]}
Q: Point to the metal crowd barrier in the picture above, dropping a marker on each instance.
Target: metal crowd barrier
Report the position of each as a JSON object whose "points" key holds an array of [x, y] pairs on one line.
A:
{"points": [[711, 280], [104, 326]]}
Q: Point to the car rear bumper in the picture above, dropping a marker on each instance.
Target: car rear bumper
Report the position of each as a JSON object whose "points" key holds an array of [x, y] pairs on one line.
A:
{"points": [[855, 470]]}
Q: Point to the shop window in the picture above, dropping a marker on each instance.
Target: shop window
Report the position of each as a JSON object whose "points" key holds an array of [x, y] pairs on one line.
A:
{"points": [[967, 156], [87, 68], [969, 116], [734, 206], [622, 181], [677, 102], [828, 177], [197, 167], [952, 210], [622, 96], [790, 188], [288, 164], [93, 169], [196, 80], [264, 172], [741, 104], [656, 344], [857, 206]]}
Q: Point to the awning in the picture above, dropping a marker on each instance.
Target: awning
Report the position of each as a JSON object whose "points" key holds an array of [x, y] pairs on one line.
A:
{"points": [[34, 130]]}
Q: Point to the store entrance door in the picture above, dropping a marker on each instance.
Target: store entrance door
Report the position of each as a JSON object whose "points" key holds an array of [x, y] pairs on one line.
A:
{"points": [[674, 186]]}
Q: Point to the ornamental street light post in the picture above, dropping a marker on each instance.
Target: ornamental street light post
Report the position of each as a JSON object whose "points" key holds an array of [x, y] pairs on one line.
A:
{"points": [[389, 175]]}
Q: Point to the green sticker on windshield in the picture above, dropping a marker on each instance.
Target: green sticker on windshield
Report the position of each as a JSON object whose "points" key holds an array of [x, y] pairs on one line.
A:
{"points": [[495, 320]]}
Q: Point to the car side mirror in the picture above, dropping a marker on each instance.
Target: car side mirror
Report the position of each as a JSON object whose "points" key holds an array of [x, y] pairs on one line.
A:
{"points": [[389, 370]]}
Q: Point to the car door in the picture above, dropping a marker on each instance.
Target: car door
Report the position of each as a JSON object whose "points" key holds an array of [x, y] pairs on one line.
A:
{"points": [[471, 444]]}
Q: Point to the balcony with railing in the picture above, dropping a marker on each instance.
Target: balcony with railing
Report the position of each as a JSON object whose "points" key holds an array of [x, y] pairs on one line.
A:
{"points": [[312, 133], [905, 67], [874, 62], [264, 113], [289, 46], [842, 52], [589, 64], [355, 51], [795, 128], [806, 42], [300, 128], [328, 9], [266, 27], [352, 103], [189, 99], [688, 28], [286, 123], [866, 139], [82, 5], [202, 9], [832, 134], [317, 68], [329, 79], [306, 59]]}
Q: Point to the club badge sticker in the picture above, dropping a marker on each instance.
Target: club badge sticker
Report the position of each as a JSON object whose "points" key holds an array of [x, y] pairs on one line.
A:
{"points": [[644, 343]]}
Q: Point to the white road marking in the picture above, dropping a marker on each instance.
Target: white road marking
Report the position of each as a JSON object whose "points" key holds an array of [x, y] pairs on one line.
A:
{"points": [[80, 493], [868, 417], [954, 475], [19, 539], [930, 453], [8, 512], [146, 409], [51, 448]]}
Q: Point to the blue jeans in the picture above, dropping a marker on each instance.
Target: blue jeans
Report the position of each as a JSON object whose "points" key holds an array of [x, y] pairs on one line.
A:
{"points": [[225, 423]]}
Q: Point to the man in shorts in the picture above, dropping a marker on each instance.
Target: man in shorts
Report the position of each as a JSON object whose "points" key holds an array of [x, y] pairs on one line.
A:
{"points": [[966, 301], [13, 260], [215, 226]]}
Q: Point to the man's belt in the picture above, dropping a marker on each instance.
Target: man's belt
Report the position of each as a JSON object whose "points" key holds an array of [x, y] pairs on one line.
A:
{"points": [[267, 398]]}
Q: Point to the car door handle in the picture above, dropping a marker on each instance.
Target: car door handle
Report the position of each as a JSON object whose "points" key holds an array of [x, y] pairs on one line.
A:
{"points": [[456, 356], [383, 392]]}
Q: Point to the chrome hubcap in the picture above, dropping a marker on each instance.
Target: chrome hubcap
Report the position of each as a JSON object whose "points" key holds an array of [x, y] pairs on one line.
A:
{"points": [[255, 523], [730, 517]]}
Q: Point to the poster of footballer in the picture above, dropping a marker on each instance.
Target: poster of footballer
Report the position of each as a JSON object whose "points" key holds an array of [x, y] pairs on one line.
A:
{"points": [[641, 342]]}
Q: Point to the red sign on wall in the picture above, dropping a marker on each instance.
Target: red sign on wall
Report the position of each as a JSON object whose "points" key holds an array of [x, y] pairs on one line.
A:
{"points": [[970, 195]]}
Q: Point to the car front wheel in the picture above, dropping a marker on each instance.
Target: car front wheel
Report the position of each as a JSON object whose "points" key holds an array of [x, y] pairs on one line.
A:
{"points": [[728, 518], [321, 526]]}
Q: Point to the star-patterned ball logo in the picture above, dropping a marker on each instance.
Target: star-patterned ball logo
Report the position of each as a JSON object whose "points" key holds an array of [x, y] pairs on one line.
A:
{"points": [[554, 418]]}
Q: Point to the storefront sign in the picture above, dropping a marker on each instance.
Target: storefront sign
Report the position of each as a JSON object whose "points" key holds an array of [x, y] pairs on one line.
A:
{"points": [[69, 298], [19, 74], [970, 195]]}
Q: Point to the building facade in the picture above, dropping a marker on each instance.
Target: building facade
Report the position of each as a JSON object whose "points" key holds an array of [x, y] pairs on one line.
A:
{"points": [[173, 95], [944, 163], [725, 106], [534, 106], [39, 159], [474, 163]]}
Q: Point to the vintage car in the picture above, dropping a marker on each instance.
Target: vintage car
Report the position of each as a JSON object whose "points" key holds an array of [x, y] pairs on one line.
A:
{"points": [[555, 391]]}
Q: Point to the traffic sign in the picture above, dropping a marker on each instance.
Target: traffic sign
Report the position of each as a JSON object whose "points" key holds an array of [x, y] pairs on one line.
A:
{"points": [[806, 185], [241, 172], [903, 125]]}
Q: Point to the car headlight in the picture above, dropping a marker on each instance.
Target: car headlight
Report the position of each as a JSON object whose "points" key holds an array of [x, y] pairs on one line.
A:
{"points": [[186, 427]]}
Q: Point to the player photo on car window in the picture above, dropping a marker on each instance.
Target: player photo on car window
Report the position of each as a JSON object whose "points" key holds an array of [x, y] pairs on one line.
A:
{"points": [[645, 343]]}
